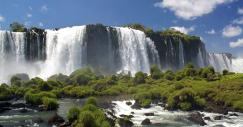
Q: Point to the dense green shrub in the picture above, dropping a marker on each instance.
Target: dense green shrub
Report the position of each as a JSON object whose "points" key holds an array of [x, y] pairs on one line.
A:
{"points": [[139, 78], [17, 27], [169, 75], [5, 92], [34, 97], [44, 86], [225, 72], [82, 76], [73, 114], [86, 119], [49, 103], [91, 100], [155, 72]]}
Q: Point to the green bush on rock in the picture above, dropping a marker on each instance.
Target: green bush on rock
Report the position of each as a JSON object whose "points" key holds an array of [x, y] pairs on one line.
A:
{"points": [[139, 78], [49, 103]]}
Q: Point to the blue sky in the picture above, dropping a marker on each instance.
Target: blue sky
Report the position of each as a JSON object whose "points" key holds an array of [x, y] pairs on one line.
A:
{"points": [[218, 22]]}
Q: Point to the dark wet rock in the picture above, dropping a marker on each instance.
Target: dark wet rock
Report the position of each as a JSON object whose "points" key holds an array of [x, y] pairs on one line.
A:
{"points": [[124, 122], [207, 118], [126, 116], [23, 110], [1, 125], [129, 103], [5, 104], [146, 122], [218, 126], [136, 105], [219, 117], [55, 120], [18, 105], [132, 112], [65, 124], [22, 76], [196, 117], [38, 120], [3, 109], [216, 109], [149, 114], [233, 114]]}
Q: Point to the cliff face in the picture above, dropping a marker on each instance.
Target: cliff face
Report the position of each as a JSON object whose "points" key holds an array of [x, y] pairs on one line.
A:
{"points": [[176, 49], [35, 47]]}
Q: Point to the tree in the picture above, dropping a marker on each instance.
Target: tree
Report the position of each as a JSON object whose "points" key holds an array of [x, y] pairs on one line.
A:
{"points": [[17, 27]]}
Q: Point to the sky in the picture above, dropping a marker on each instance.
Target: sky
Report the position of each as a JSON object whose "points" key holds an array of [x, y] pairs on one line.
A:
{"points": [[219, 23]]}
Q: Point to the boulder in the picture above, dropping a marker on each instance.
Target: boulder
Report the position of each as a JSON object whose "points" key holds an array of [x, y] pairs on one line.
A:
{"points": [[55, 120], [124, 122], [207, 118], [3, 109], [129, 103], [38, 120], [149, 114], [23, 110], [219, 117], [233, 114], [136, 105], [22, 76], [146, 122], [5, 104], [196, 117], [18, 105]]}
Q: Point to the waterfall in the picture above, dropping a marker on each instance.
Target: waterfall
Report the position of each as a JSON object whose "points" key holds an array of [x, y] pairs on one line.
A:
{"points": [[106, 49], [12, 55], [181, 54], [133, 50], [220, 61], [154, 55], [66, 51]]}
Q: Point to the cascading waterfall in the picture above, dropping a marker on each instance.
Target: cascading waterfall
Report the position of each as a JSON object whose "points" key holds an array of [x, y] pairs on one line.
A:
{"points": [[181, 54], [66, 51], [110, 49], [220, 61], [12, 55], [133, 50]]}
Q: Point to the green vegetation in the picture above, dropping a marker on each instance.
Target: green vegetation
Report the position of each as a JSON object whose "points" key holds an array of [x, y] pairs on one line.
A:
{"points": [[88, 116], [186, 89], [17, 27]]}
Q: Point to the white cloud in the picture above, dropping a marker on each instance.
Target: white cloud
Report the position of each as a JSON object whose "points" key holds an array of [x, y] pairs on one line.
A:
{"points": [[41, 24], [240, 11], [44, 8], [238, 21], [231, 31], [29, 15], [2, 19], [190, 9], [211, 32], [183, 29], [238, 43]]}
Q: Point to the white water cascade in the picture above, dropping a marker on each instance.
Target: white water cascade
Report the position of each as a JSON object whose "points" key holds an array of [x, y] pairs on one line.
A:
{"points": [[220, 61], [133, 50], [12, 55], [181, 54], [66, 51]]}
